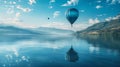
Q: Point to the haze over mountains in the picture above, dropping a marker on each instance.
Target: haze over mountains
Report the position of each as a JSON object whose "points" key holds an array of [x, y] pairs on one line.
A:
{"points": [[13, 30]]}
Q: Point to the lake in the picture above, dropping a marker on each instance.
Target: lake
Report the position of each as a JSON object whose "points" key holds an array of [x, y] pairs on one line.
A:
{"points": [[59, 51]]}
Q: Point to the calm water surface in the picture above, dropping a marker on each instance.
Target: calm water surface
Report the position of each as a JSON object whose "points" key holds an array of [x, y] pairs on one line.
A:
{"points": [[59, 51]]}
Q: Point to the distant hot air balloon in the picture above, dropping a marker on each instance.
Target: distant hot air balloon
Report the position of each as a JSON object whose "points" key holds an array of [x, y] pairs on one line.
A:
{"points": [[48, 18], [72, 14]]}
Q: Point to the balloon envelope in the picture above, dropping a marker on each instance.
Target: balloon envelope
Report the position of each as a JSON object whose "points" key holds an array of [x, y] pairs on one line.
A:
{"points": [[72, 14]]}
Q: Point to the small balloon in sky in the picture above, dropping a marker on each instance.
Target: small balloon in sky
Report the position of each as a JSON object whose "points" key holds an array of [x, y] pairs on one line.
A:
{"points": [[72, 14], [48, 18]]}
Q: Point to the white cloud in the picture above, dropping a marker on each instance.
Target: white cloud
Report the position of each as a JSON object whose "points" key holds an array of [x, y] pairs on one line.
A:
{"points": [[14, 2], [118, 16], [107, 1], [71, 3], [100, 15], [52, 1], [99, 1], [10, 10], [98, 6], [32, 2], [17, 14], [113, 1], [5, 1], [19, 0], [50, 7], [9, 21], [93, 21], [15, 22], [10, 2], [108, 19], [23, 9], [56, 14], [82, 10], [112, 18]]}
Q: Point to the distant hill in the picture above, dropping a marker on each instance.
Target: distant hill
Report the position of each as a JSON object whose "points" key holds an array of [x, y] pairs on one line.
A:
{"points": [[13, 30], [54, 31], [107, 27]]}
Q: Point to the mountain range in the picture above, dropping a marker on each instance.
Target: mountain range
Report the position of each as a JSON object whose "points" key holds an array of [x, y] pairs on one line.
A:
{"points": [[14, 30], [108, 27]]}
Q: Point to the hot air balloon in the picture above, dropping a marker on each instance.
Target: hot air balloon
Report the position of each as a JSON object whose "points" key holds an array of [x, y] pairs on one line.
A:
{"points": [[72, 14]]}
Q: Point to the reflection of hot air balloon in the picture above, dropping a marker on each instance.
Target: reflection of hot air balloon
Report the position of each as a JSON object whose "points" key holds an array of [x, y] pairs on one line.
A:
{"points": [[72, 14], [72, 55]]}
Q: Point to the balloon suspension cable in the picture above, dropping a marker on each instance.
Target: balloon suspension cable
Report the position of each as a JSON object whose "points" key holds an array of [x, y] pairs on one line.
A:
{"points": [[71, 46], [71, 25]]}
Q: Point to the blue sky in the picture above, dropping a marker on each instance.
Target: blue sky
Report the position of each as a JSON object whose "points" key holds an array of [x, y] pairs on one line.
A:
{"points": [[34, 13]]}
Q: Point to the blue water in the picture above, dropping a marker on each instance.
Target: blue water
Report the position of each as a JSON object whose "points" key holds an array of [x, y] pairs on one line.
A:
{"points": [[51, 51]]}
